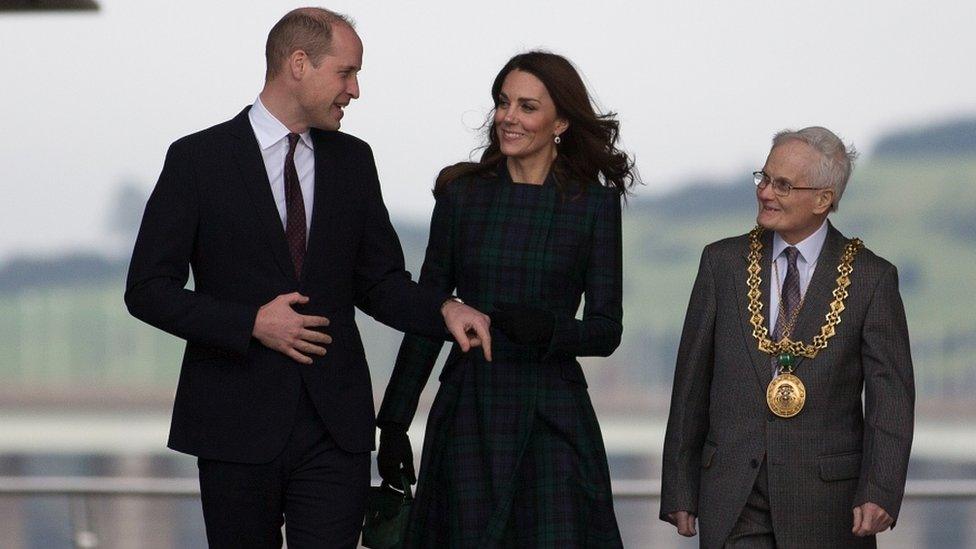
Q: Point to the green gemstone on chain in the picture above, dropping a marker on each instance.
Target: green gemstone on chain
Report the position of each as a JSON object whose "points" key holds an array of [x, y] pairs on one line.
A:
{"points": [[787, 360]]}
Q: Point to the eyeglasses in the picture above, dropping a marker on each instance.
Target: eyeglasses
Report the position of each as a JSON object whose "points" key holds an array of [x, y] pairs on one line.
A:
{"points": [[780, 187]]}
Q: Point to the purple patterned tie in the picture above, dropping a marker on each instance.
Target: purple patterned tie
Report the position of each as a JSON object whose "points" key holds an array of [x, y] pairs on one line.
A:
{"points": [[294, 208], [790, 295]]}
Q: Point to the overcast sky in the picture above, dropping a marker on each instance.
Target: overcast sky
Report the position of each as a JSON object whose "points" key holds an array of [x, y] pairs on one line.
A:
{"points": [[90, 101]]}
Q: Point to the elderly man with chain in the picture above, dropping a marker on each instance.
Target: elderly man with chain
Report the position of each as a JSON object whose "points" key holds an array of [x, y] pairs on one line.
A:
{"points": [[793, 403]]}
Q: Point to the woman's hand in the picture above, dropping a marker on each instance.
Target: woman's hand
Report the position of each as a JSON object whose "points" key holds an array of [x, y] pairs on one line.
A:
{"points": [[524, 324], [395, 455]]}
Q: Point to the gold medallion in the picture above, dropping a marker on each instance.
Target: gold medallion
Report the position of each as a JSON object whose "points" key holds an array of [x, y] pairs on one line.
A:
{"points": [[786, 395]]}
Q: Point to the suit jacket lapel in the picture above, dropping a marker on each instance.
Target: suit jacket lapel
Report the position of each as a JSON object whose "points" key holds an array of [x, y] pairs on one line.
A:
{"points": [[760, 360], [254, 177], [819, 294], [326, 196]]}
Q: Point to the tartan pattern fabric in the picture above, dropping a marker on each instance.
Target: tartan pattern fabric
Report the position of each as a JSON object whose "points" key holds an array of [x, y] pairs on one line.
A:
{"points": [[513, 454], [549, 486], [295, 208]]}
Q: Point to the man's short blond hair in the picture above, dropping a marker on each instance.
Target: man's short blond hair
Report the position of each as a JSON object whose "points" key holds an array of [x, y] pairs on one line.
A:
{"points": [[305, 29]]}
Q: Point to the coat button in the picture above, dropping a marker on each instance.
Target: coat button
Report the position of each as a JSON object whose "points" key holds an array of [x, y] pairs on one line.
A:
{"points": [[754, 463]]}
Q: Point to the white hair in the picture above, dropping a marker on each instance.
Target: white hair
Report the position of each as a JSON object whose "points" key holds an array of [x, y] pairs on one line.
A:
{"points": [[836, 159]]}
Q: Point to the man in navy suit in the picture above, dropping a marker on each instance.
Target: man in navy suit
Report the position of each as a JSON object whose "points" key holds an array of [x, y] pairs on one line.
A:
{"points": [[281, 219]]}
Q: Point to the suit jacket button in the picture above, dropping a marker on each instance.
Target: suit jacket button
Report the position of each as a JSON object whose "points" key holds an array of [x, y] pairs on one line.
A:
{"points": [[754, 463]]}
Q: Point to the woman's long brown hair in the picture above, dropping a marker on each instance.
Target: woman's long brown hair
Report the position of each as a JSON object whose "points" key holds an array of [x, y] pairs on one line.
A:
{"points": [[588, 150]]}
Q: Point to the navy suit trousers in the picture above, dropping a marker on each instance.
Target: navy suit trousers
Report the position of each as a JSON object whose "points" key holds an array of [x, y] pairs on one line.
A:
{"points": [[314, 488]]}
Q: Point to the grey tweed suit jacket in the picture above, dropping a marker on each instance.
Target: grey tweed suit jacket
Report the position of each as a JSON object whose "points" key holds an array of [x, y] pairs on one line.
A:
{"points": [[839, 452]]}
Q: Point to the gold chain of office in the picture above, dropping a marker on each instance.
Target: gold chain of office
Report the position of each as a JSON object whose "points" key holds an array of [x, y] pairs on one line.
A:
{"points": [[786, 345]]}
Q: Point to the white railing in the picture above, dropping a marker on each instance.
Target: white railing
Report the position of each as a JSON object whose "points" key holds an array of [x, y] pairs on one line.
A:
{"points": [[81, 490], [190, 488]]}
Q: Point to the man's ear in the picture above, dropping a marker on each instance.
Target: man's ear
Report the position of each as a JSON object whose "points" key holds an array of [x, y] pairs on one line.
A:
{"points": [[298, 64], [824, 200]]}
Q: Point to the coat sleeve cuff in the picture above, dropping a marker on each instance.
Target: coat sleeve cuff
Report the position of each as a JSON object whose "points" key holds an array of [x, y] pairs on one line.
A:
{"points": [[886, 499], [672, 503], [564, 336], [241, 326]]}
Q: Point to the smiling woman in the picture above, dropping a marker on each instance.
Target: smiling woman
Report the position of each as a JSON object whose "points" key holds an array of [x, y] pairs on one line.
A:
{"points": [[528, 126], [544, 118], [513, 454]]}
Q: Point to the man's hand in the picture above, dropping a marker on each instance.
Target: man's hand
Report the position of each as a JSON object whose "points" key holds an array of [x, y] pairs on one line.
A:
{"points": [[869, 519], [468, 326], [685, 522], [279, 327]]}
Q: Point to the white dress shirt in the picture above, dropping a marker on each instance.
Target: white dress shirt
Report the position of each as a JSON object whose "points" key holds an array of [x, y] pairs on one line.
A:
{"points": [[272, 137], [806, 262]]}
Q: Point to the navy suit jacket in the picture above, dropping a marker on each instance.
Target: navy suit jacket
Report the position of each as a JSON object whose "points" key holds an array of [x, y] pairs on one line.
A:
{"points": [[212, 210]]}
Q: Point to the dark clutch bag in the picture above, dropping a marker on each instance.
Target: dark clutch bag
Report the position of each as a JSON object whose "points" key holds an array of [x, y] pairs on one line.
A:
{"points": [[387, 513]]}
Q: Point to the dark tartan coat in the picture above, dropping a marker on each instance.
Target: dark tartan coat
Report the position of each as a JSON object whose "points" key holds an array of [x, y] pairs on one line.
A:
{"points": [[513, 454]]}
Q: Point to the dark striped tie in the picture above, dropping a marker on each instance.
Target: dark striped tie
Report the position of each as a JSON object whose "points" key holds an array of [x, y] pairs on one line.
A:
{"points": [[294, 208], [790, 295]]}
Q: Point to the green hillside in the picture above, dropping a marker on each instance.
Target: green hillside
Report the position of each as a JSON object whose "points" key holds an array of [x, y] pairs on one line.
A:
{"points": [[920, 215]]}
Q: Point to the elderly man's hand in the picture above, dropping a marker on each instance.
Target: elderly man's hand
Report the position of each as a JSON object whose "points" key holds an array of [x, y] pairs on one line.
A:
{"points": [[469, 326], [869, 519], [684, 521]]}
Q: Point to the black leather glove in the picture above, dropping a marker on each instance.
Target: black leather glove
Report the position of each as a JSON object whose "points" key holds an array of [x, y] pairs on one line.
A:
{"points": [[524, 324], [394, 455]]}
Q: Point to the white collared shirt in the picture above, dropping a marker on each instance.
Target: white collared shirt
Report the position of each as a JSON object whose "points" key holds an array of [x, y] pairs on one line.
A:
{"points": [[272, 137], [806, 262]]}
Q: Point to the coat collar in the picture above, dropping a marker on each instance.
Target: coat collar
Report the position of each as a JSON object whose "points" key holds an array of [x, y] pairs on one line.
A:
{"points": [[254, 178], [501, 171], [268, 129], [816, 303], [809, 247], [760, 360], [326, 197]]}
